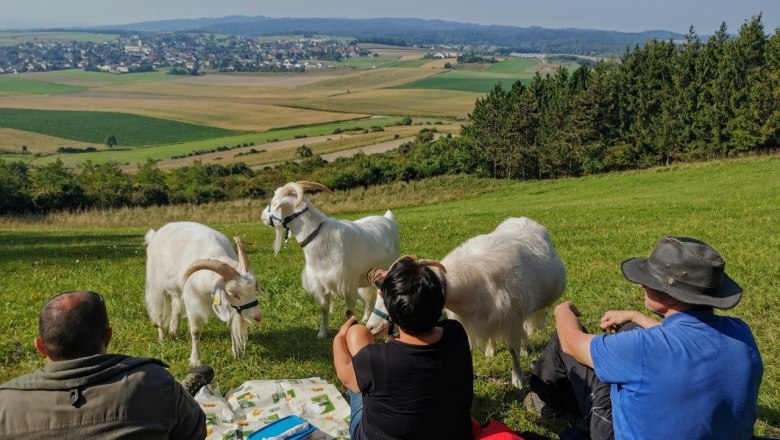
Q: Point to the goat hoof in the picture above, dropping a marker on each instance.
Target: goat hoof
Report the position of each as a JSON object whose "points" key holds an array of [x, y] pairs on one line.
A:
{"points": [[490, 352], [517, 381], [322, 335]]}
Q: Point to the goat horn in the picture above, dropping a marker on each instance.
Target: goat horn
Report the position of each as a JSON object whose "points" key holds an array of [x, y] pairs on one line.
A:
{"points": [[242, 258], [433, 263], [225, 270], [314, 185]]}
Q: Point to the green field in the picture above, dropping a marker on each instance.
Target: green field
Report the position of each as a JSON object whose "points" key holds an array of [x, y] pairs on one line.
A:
{"points": [[595, 223], [462, 81], [80, 77], [14, 38], [129, 130], [465, 79], [377, 62], [513, 65], [15, 84], [161, 152]]}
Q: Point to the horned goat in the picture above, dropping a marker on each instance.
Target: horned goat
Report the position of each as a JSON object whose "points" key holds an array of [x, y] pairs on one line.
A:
{"points": [[195, 266], [499, 286], [338, 253]]}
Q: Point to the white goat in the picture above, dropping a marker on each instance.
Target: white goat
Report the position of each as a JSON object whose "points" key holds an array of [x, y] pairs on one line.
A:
{"points": [[499, 286], [194, 264], [338, 253]]}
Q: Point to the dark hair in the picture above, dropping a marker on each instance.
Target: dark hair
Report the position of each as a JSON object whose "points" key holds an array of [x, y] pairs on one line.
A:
{"points": [[413, 296], [71, 328]]}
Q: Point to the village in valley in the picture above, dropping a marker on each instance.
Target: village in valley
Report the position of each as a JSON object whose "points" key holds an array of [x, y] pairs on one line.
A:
{"points": [[185, 53]]}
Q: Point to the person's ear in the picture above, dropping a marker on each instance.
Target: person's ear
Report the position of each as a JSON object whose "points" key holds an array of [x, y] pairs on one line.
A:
{"points": [[107, 340], [670, 301], [40, 347]]}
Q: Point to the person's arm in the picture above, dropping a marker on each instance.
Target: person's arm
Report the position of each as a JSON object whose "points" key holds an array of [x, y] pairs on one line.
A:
{"points": [[342, 359], [615, 318], [190, 420], [574, 341]]}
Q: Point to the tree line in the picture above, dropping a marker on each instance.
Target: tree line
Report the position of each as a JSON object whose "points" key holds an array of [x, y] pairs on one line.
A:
{"points": [[659, 103], [26, 189]]}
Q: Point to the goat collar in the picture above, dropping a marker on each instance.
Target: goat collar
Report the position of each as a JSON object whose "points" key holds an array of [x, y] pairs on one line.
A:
{"points": [[285, 221], [246, 306], [311, 236], [391, 325]]}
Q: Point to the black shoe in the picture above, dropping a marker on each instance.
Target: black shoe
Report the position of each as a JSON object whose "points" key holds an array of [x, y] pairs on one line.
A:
{"points": [[197, 378]]}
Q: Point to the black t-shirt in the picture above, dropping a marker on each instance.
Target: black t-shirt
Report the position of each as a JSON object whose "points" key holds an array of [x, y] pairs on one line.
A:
{"points": [[417, 391]]}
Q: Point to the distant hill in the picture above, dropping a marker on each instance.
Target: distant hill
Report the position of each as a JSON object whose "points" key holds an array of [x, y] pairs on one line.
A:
{"points": [[412, 31]]}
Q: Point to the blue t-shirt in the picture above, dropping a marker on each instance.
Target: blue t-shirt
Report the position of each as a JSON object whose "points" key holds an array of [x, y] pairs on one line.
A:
{"points": [[695, 376]]}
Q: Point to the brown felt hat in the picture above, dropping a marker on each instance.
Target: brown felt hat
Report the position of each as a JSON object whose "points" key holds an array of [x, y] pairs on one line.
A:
{"points": [[686, 269]]}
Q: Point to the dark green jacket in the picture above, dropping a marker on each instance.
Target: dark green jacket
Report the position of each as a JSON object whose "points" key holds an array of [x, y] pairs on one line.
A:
{"points": [[106, 396]]}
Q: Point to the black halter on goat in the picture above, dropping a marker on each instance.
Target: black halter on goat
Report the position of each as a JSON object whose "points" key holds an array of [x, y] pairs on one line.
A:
{"points": [[246, 306], [287, 220]]}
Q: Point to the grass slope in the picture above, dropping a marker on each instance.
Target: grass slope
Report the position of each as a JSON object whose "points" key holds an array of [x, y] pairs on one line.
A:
{"points": [[595, 223], [130, 130]]}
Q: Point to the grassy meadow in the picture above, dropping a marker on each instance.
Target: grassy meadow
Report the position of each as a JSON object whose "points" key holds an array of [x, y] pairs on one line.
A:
{"points": [[595, 222]]}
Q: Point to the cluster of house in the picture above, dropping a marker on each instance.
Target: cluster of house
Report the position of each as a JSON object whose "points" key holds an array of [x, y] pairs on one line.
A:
{"points": [[188, 53]]}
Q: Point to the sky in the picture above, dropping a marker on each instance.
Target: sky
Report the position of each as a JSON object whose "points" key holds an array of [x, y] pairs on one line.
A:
{"points": [[617, 15]]}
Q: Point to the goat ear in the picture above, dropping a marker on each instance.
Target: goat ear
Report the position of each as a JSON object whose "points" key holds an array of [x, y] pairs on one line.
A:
{"points": [[292, 187], [221, 306], [243, 260]]}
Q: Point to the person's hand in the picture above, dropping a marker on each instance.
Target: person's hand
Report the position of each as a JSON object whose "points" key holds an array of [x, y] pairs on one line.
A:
{"points": [[567, 307], [345, 327], [613, 319]]}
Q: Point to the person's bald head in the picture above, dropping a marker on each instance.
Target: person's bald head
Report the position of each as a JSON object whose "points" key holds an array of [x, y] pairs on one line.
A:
{"points": [[73, 325]]}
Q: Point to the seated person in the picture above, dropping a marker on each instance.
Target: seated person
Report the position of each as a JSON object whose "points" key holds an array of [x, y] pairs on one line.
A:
{"points": [[82, 392], [694, 375], [418, 385]]}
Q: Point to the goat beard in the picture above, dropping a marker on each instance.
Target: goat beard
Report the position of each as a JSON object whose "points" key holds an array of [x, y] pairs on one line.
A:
{"points": [[239, 333], [278, 240]]}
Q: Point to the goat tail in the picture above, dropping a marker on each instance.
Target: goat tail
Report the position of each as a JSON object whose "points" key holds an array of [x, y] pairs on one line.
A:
{"points": [[149, 235], [239, 333]]}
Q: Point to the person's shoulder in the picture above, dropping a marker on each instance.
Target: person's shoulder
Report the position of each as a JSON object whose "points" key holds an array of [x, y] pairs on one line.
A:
{"points": [[453, 328], [452, 324], [16, 383]]}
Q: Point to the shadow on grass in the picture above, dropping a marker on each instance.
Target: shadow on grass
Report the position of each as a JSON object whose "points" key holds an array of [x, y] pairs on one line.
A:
{"points": [[294, 343], [771, 416], [34, 246]]}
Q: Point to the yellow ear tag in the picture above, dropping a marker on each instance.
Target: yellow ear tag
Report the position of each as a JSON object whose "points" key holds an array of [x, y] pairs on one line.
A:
{"points": [[217, 300]]}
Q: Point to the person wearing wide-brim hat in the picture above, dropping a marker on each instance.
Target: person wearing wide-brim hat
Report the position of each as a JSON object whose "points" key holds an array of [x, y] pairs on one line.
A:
{"points": [[694, 375]]}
